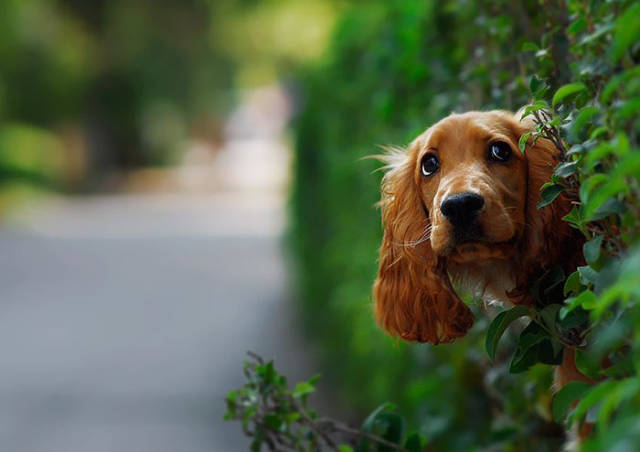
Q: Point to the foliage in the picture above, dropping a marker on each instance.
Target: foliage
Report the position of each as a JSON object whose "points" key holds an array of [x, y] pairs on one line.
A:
{"points": [[597, 114], [279, 417], [394, 68]]}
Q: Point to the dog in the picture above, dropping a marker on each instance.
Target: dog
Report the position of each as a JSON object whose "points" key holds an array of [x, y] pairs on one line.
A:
{"points": [[459, 208]]}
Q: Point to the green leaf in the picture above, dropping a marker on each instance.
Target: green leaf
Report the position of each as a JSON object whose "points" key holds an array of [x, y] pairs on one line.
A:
{"points": [[577, 26], [415, 442], [522, 143], [565, 397], [303, 388], [566, 169], [591, 249], [587, 275], [367, 425], [390, 426], [534, 347], [590, 398], [577, 318], [624, 390], [537, 105], [499, 325], [530, 46], [549, 316], [586, 300], [344, 448], [597, 132], [617, 81], [273, 421], [572, 285], [627, 31], [574, 218], [535, 83], [384, 423], [589, 363], [604, 193], [549, 194], [591, 184], [566, 91], [583, 117]]}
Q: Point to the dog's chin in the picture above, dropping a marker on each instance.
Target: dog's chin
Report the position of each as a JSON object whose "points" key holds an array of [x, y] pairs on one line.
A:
{"points": [[479, 250]]}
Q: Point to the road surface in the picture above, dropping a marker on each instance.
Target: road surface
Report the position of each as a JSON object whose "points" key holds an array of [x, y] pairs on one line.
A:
{"points": [[124, 320]]}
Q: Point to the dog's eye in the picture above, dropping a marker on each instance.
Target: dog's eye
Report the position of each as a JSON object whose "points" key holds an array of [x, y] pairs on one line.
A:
{"points": [[429, 165], [499, 151]]}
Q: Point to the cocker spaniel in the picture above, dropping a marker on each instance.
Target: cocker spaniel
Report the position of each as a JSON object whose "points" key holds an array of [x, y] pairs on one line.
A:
{"points": [[459, 207]]}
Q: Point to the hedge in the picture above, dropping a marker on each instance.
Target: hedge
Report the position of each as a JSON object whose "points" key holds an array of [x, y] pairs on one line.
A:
{"points": [[394, 68]]}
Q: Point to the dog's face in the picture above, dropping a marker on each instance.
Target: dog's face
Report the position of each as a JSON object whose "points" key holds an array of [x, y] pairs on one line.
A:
{"points": [[472, 179], [462, 195]]}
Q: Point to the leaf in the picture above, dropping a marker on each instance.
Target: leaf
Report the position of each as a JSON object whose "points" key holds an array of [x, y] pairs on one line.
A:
{"points": [[589, 363], [549, 194], [572, 284], [624, 390], [384, 423], [273, 421], [597, 132], [344, 448], [549, 316], [586, 300], [582, 118], [566, 91], [577, 318], [392, 426], [574, 218], [415, 442], [611, 87], [591, 249], [367, 425], [530, 46], [587, 275], [604, 193], [627, 31], [534, 347], [566, 169], [590, 398], [565, 397], [303, 388], [610, 207], [577, 26], [499, 325], [522, 142], [537, 105], [535, 83]]}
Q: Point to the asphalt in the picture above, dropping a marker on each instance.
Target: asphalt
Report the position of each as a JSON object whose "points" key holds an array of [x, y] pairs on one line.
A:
{"points": [[124, 320]]}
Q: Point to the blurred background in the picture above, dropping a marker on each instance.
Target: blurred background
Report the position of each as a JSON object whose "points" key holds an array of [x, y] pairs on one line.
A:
{"points": [[181, 181]]}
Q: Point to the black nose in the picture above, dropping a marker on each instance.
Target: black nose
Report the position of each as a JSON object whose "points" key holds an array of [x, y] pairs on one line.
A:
{"points": [[462, 208]]}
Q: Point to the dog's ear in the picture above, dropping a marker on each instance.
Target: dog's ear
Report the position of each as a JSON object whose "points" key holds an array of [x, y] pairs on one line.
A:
{"points": [[548, 240], [414, 298]]}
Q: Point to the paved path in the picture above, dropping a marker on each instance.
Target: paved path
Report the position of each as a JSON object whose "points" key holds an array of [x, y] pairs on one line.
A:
{"points": [[124, 320]]}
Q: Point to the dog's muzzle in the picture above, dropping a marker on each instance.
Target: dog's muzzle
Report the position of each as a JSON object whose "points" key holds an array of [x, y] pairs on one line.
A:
{"points": [[461, 210]]}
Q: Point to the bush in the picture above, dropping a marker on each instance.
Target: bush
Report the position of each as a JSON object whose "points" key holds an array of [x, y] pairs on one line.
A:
{"points": [[394, 68]]}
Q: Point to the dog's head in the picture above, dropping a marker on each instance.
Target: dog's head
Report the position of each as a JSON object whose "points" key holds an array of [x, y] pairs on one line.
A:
{"points": [[462, 193]]}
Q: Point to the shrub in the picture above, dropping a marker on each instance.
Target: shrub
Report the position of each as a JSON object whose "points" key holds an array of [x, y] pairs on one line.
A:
{"points": [[394, 68]]}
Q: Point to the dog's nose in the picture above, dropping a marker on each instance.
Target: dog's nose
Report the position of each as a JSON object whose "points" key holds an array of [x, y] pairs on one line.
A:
{"points": [[462, 208]]}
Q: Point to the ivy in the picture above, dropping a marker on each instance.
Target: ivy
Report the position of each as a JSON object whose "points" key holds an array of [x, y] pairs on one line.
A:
{"points": [[596, 117]]}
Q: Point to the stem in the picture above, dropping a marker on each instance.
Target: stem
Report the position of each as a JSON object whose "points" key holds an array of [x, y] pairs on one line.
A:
{"points": [[344, 428], [312, 425]]}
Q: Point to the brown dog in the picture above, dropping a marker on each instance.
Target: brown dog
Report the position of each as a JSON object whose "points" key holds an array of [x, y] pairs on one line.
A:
{"points": [[460, 205]]}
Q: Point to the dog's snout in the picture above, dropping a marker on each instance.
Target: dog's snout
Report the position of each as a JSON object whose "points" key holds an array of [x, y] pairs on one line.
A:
{"points": [[462, 208]]}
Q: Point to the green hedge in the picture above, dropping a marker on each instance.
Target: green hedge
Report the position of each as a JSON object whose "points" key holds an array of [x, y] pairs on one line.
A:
{"points": [[394, 68]]}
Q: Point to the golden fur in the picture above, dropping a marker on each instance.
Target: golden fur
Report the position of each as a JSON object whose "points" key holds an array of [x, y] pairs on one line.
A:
{"points": [[419, 257]]}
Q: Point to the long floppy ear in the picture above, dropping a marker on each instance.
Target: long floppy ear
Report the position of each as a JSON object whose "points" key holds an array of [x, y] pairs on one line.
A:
{"points": [[548, 240], [414, 297]]}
